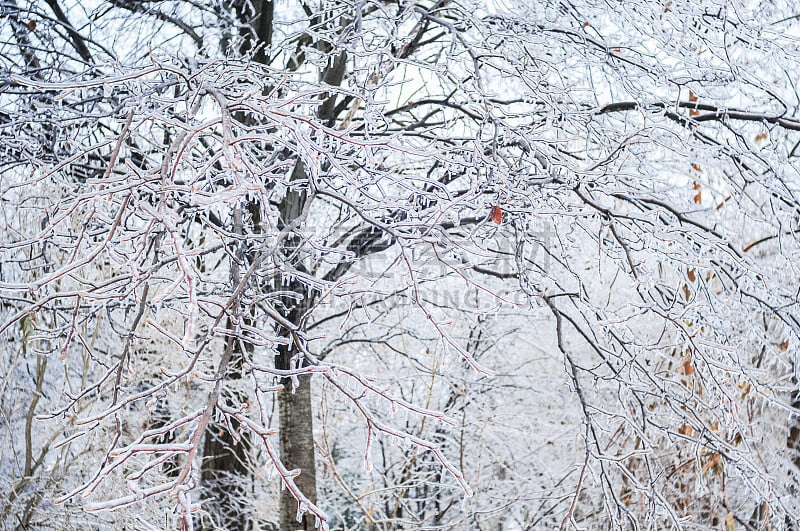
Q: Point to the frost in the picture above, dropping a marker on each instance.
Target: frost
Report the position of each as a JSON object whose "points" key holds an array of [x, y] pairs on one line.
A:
{"points": [[544, 255]]}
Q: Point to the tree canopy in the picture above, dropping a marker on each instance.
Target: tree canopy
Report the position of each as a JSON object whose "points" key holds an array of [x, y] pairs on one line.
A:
{"points": [[399, 264]]}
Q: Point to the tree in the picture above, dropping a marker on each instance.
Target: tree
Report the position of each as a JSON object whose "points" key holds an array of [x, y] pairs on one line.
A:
{"points": [[219, 215]]}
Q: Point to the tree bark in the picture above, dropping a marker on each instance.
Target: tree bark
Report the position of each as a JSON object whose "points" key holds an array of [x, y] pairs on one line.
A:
{"points": [[225, 469], [297, 444]]}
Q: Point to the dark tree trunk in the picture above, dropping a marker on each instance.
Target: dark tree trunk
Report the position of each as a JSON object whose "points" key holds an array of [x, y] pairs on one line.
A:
{"points": [[297, 444], [225, 472], [295, 412]]}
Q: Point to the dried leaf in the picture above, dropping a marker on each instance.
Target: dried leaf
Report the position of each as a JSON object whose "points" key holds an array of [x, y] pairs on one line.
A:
{"points": [[784, 345], [497, 214], [696, 185], [586, 25], [688, 368], [746, 388], [760, 137], [691, 275], [693, 112], [687, 293], [31, 25], [696, 167], [686, 430], [698, 198], [714, 464]]}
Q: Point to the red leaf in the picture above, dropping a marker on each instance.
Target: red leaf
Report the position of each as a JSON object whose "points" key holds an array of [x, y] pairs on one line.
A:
{"points": [[31, 25], [497, 214]]}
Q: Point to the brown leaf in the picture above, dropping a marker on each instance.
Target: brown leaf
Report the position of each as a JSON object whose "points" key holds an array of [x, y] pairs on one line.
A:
{"points": [[687, 293], [31, 25], [586, 25], [497, 214], [760, 137], [698, 198], [784, 345], [688, 368], [696, 167], [691, 275], [695, 185], [746, 388], [714, 464], [686, 430]]}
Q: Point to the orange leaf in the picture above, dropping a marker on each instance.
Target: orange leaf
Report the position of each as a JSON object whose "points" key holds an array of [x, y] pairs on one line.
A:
{"points": [[694, 112], [698, 198], [696, 167], [713, 464], [686, 430], [696, 185], [688, 368], [616, 50], [691, 275], [497, 214], [692, 96]]}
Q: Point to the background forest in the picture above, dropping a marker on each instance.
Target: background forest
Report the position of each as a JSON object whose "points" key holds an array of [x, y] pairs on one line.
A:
{"points": [[399, 264]]}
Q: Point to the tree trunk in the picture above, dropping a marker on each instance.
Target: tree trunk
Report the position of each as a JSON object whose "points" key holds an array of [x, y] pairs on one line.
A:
{"points": [[227, 476], [297, 444], [295, 414], [225, 473]]}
